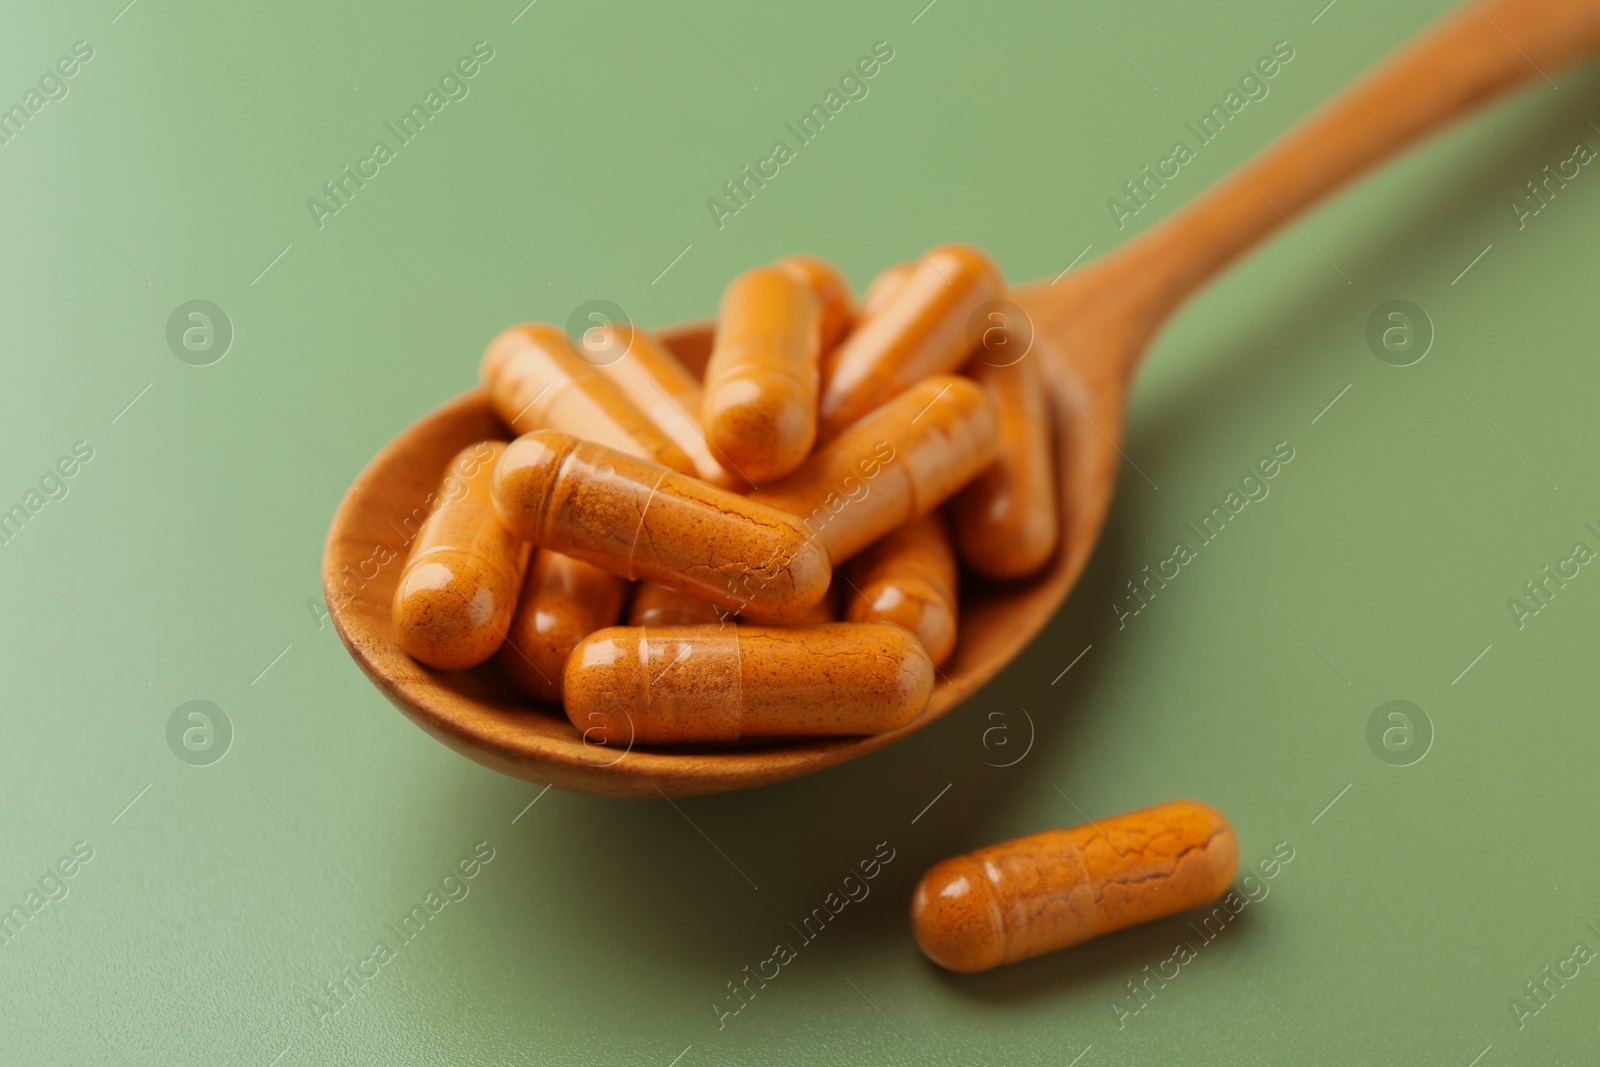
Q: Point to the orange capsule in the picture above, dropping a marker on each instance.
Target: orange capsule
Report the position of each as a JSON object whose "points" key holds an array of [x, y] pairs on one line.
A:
{"points": [[760, 406], [832, 290], [880, 288], [536, 381], [909, 579], [1007, 521], [638, 519], [666, 392], [563, 601], [456, 592], [899, 463], [1023, 898], [679, 684], [656, 605], [919, 330]]}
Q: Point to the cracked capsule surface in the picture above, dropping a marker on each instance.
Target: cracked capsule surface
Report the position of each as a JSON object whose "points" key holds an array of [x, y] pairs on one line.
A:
{"points": [[639, 520], [1036, 894], [459, 584], [684, 684]]}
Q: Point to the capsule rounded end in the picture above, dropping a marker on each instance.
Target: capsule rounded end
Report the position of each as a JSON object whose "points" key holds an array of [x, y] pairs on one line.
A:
{"points": [[523, 477], [537, 648], [1218, 860], [956, 919], [915, 606], [810, 574], [604, 677], [1008, 540], [448, 612], [765, 424]]}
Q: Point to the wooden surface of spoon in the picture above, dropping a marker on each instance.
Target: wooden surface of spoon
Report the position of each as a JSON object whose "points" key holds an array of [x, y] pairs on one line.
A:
{"points": [[1089, 328]]}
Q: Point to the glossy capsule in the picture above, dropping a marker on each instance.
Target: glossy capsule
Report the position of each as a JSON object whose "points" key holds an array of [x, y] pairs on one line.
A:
{"points": [[657, 605], [760, 408], [835, 301], [880, 288], [897, 464], [1023, 898], [680, 684], [1008, 520], [909, 579], [455, 595], [563, 601], [667, 393], [536, 381], [920, 329], [637, 519]]}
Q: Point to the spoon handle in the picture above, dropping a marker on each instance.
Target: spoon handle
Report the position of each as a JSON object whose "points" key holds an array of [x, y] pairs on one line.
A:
{"points": [[1482, 49]]}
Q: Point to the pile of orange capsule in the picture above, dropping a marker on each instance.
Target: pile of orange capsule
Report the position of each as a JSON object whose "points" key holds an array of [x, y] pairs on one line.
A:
{"points": [[834, 460], [668, 558]]}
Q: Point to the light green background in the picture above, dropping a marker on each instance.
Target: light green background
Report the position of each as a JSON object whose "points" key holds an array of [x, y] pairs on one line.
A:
{"points": [[185, 557]]}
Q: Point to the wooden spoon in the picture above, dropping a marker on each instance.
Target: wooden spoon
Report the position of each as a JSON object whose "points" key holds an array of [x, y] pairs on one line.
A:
{"points": [[1090, 329]]}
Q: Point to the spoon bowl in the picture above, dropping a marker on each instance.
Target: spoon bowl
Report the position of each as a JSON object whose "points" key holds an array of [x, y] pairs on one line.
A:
{"points": [[481, 715], [1088, 327]]}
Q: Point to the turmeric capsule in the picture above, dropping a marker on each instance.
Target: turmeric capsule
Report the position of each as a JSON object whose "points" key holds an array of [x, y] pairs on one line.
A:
{"points": [[880, 288], [459, 585], [897, 464], [920, 329], [638, 519], [680, 684], [536, 380], [1023, 898], [832, 290], [563, 601], [909, 579], [1007, 521], [760, 405], [669, 396], [656, 605]]}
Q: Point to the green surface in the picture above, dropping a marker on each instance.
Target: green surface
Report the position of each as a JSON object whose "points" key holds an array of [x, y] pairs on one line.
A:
{"points": [[182, 563]]}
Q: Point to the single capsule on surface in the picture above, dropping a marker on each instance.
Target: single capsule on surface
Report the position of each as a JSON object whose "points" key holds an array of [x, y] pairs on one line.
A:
{"points": [[459, 585], [563, 601], [909, 579], [684, 684], [656, 605], [1008, 521], [920, 329], [639, 520], [1023, 898], [832, 290], [760, 408], [897, 464], [662, 387], [536, 381]]}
